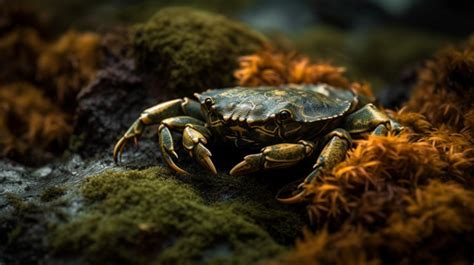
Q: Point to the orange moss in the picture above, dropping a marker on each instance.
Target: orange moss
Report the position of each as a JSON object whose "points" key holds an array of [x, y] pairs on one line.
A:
{"points": [[344, 247], [432, 226], [445, 89], [18, 52], [274, 68], [413, 121], [436, 209], [29, 121], [70, 63], [377, 170]]}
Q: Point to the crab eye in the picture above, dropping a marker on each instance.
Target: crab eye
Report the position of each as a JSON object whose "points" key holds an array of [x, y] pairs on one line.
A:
{"points": [[284, 115], [209, 101]]}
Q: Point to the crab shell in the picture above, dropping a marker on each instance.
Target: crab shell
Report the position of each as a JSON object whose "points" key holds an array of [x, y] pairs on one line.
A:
{"points": [[253, 118]]}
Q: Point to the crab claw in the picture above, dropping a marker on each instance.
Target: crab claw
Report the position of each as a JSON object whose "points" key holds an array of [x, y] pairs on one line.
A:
{"points": [[134, 132], [203, 156], [297, 196], [167, 149], [248, 165], [120, 146]]}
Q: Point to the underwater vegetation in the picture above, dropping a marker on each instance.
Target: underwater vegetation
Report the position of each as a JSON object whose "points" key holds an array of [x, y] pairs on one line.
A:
{"points": [[186, 50]]}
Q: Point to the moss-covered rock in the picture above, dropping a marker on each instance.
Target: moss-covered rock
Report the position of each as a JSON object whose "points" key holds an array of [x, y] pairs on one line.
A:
{"points": [[187, 50], [145, 217]]}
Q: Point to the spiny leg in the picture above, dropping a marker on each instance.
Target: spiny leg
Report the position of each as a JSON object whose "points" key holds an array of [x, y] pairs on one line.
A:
{"points": [[334, 151], [195, 137], [155, 115], [275, 156]]}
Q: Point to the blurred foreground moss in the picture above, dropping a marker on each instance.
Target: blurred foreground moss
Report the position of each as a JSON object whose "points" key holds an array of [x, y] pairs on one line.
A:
{"points": [[188, 50], [145, 217]]}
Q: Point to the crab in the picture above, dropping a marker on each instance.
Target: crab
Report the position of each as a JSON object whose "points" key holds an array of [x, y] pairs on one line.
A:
{"points": [[281, 126]]}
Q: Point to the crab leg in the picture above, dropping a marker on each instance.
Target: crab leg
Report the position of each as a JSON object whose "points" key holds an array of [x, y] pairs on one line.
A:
{"points": [[165, 138], [333, 152], [275, 156], [370, 119], [155, 115]]}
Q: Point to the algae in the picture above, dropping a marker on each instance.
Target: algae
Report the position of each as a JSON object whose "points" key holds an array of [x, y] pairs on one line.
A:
{"points": [[147, 217], [187, 50]]}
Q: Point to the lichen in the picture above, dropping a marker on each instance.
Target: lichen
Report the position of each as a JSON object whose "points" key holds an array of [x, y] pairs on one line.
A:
{"points": [[146, 216], [190, 50]]}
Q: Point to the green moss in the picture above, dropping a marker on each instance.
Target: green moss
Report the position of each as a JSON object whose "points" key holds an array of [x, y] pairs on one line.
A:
{"points": [[145, 217], [189, 50], [52, 193], [17, 202]]}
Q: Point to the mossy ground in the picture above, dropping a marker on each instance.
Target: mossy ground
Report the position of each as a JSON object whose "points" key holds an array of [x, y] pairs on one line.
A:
{"points": [[149, 217], [188, 50]]}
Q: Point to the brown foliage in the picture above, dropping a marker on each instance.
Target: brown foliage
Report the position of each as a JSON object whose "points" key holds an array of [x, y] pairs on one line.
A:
{"points": [[445, 89], [70, 63], [434, 226], [30, 121], [276, 68], [35, 120], [377, 171], [18, 52]]}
